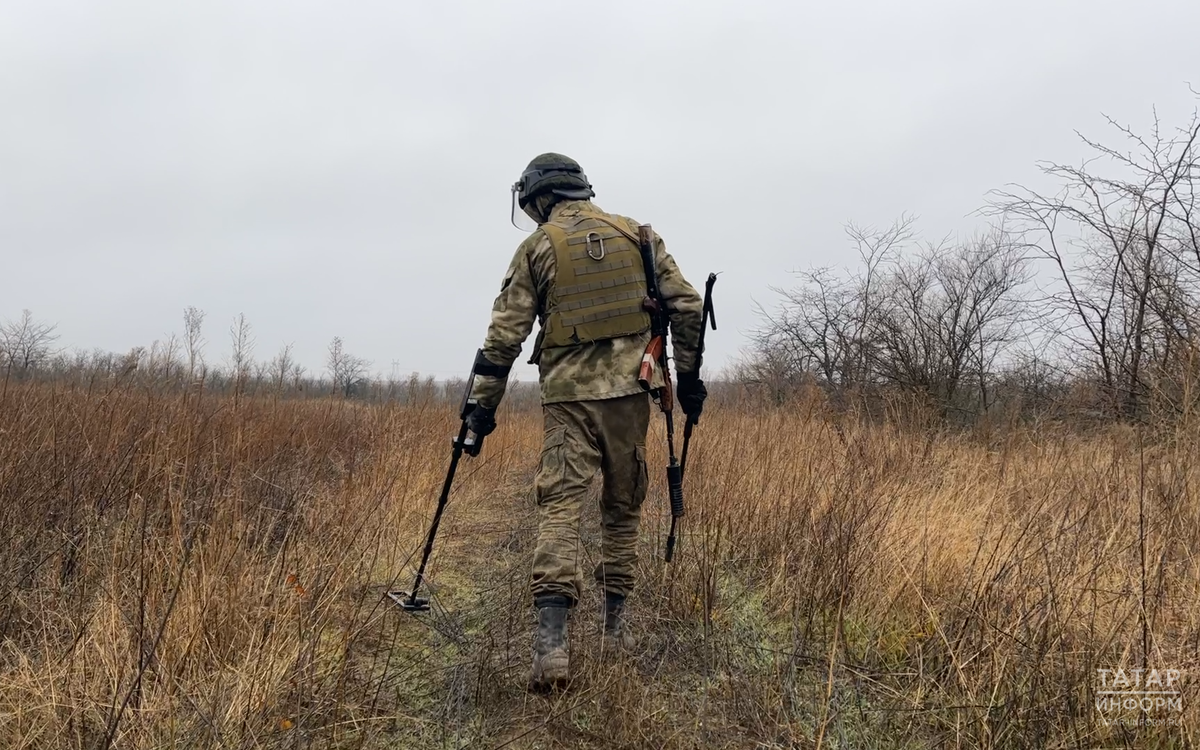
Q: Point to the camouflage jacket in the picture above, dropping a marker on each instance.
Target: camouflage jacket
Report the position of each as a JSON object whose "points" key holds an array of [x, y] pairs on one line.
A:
{"points": [[587, 372]]}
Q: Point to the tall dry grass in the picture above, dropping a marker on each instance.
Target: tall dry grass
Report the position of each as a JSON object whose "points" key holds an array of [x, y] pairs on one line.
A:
{"points": [[182, 570]]}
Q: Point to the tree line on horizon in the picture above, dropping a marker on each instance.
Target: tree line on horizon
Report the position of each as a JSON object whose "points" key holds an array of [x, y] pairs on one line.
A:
{"points": [[1080, 300]]}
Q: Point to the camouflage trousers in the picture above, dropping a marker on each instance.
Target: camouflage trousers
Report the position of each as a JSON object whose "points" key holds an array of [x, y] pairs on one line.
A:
{"points": [[581, 438]]}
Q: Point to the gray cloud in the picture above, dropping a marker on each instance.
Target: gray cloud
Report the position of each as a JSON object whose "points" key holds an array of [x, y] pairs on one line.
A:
{"points": [[342, 169]]}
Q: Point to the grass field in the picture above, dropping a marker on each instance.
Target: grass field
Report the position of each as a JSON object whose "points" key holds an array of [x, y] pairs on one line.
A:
{"points": [[189, 570]]}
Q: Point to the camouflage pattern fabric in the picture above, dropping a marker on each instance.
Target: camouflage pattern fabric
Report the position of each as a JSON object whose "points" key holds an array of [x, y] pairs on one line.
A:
{"points": [[580, 439], [587, 372]]}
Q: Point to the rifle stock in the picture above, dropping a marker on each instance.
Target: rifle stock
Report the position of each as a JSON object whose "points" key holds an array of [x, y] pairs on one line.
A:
{"points": [[650, 360]]}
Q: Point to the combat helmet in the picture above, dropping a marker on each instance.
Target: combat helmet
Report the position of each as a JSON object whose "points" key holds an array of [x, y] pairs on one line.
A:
{"points": [[553, 174]]}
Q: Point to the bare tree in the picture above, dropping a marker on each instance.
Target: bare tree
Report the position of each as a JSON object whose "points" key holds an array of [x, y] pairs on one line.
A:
{"points": [[812, 331], [241, 358], [25, 344], [924, 323], [163, 357], [946, 316], [297, 376], [345, 369], [281, 366], [129, 363], [193, 339], [822, 325], [1124, 247], [768, 368]]}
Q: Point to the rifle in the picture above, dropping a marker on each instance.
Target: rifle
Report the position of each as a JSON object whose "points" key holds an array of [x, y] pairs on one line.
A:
{"points": [[466, 442], [656, 355], [710, 316]]}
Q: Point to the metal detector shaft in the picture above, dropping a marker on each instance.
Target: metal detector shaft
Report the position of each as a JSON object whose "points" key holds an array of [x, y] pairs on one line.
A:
{"points": [[412, 602], [467, 442]]}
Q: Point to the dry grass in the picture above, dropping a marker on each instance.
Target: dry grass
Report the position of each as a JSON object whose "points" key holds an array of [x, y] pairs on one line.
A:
{"points": [[182, 570]]}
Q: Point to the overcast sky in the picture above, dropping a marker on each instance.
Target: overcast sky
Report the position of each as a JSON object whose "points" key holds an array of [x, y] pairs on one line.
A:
{"points": [[343, 168]]}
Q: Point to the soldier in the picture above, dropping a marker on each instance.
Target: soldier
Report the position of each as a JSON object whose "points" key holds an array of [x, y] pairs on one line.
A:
{"points": [[580, 275]]}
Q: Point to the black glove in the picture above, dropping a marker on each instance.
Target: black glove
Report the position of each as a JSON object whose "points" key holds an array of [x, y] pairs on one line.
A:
{"points": [[691, 394], [481, 421]]}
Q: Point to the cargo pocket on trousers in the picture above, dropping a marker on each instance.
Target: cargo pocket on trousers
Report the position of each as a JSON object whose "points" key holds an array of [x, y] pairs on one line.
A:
{"points": [[552, 467], [642, 481]]}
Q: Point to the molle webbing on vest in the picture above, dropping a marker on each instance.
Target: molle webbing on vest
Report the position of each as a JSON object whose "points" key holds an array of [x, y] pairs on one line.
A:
{"points": [[605, 315], [599, 285]]}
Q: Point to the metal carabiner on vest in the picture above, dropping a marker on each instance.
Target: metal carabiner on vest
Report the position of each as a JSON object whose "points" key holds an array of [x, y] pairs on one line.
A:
{"points": [[600, 240]]}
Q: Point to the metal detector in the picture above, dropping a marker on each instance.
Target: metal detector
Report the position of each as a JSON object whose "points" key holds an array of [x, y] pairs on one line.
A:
{"points": [[465, 442]]}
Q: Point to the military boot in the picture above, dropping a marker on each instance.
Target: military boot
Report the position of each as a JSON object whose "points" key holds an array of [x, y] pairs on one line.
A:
{"points": [[616, 630], [550, 645]]}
